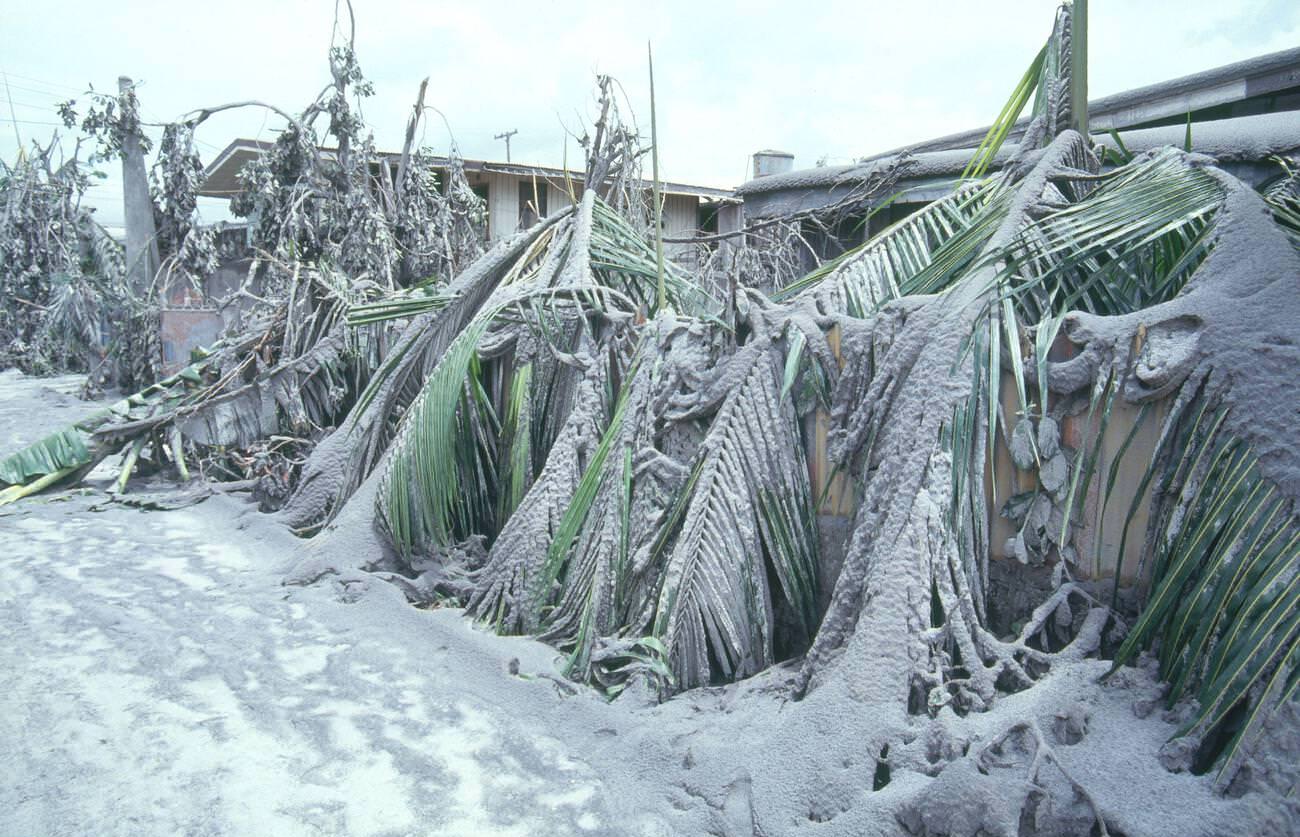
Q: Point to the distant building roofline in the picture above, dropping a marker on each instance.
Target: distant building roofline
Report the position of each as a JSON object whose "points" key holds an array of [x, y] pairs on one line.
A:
{"points": [[1143, 117], [220, 176], [1246, 143]]}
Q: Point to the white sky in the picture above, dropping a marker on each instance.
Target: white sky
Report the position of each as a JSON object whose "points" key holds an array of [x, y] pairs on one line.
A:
{"points": [[832, 80]]}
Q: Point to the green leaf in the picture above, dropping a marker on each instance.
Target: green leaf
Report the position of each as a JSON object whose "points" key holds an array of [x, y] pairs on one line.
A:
{"points": [[60, 450], [1006, 119]]}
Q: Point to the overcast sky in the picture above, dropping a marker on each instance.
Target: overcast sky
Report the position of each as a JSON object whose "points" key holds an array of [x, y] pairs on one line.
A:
{"points": [[823, 80]]}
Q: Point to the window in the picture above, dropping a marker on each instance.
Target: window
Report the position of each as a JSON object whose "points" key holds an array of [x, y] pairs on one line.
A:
{"points": [[481, 189], [532, 202]]}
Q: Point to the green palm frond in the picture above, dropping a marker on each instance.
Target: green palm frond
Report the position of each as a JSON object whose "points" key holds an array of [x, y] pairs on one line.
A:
{"points": [[510, 585], [623, 259], [989, 147], [345, 458], [921, 253], [430, 464], [967, 438], [409, 302], [1283, 199], [587, 563], [439, 470], [1041, 81], [1132, 242], [516, 441], [1224, 609]]}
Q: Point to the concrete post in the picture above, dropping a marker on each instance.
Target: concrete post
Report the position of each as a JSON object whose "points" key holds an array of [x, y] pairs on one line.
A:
{"points": [[141, 236]]}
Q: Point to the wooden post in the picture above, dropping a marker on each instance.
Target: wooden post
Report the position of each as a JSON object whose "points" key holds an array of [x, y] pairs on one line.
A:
{"points": [[1079, 66], [141, 236]]}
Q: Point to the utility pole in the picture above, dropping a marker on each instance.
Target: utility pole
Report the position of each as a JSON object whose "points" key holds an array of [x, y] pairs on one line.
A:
{"points": [[1079, 67], [137, 206], [506, 136]]}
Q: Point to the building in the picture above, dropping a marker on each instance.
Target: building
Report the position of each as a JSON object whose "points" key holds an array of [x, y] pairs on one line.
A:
{"points": [[1242, 114], [516, 196], [512, 190]]}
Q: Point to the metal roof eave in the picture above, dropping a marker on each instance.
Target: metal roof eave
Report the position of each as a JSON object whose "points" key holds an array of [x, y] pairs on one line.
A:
{"points": [[225, 167]]}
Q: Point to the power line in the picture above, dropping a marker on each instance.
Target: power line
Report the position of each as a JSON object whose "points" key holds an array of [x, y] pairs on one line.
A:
{"points": [[79, 90], [39, 80], [49, 93], [47, 109], [22, 104]]}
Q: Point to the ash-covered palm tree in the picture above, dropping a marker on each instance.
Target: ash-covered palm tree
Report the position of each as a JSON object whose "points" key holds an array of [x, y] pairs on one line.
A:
{"points": [[669, 528]]}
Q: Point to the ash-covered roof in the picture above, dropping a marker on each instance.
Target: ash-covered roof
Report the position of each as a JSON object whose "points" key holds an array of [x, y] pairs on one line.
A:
{"points": [[1258, 76], [1244, 139], [1244, 146], [1272, 78]]}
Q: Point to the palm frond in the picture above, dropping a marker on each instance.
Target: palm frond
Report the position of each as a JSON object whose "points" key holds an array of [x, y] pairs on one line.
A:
{"points": [[921, 253], [1006, 119], [1283, 199], [510, 583], [587, 562], [1224, 609], [345, 458], [420, 492], [750, 508], [1134, 242], [1043, 81], [593, 265]]}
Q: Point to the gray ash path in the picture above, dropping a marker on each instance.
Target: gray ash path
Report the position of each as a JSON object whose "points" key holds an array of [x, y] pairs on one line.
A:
{"points": [[30, 408], [158, 679]]}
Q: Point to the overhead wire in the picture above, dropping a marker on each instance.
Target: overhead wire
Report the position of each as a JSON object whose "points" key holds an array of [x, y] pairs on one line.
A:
{"points": [[149, 115], [44, 82]]}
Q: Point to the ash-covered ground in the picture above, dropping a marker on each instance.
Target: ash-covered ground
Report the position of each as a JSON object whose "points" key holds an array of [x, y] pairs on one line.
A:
{"points": [[159, 678]]}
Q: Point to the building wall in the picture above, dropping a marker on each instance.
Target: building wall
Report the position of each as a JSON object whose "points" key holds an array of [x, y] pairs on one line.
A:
{"points": [[558, 196], [680, 215], [189, 319], [1099, 527], [681, 218], [503, 204], [681, 212], [181, 330]]}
